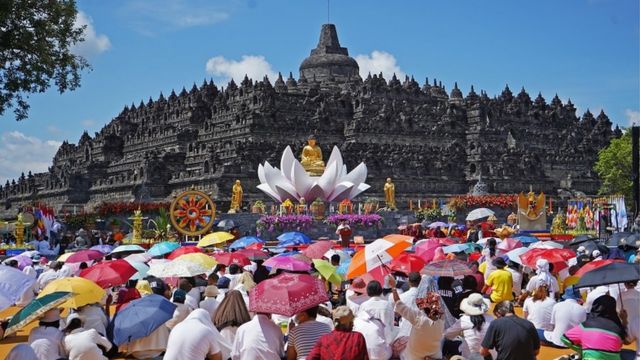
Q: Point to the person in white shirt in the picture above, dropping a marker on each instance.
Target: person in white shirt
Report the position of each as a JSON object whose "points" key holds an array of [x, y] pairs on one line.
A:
{"points": [[46, 338], [379, 308], [181, 312], [373, 331], [543, 275], [472, 325], [599, 291], [233, 274], [210, 304], [428, 326], [28, 294], [355, 295], [409, 298], [49, 275], [192, 299], [82, 344], [629, 299], [564, 316], [22, 352], [244, 285], [538, 308], [195, 338], [259, 338], [516, 275], [93, 317]]}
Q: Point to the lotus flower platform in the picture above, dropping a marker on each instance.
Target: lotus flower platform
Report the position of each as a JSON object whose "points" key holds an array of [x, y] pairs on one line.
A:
{"points": [[291, 181]]}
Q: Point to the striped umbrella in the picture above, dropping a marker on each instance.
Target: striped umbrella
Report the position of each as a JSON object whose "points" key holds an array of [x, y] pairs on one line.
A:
{"points": [[450, 268], [379, 252]]}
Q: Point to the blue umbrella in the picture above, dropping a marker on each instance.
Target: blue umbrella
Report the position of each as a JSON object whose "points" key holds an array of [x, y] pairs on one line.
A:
{"points": [[245, 241], [343, 267], [293, 238], [162, 248], [526, 238], [105, 249], [466, 247], [141, 317], [142, 270]]}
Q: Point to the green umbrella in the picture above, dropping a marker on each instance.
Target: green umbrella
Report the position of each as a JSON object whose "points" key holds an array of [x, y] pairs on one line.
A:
{"points": [[327, 271], [36, 309]]}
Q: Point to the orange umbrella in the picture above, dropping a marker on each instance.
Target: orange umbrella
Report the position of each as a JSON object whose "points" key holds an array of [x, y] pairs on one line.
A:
{"points": [[377, 253]]}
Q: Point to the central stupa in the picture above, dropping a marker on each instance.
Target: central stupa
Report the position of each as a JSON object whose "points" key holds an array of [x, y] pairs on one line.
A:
{"points": [[329, 60]]}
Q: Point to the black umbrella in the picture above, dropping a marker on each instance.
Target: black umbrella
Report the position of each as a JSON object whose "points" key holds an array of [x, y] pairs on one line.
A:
{"points": [[614, 273], [591, 245], [582, 239], [631, 239]]}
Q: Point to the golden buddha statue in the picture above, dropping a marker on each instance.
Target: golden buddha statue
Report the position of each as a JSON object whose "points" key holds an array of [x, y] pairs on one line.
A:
{"points": [[311, 158], [390, 194], [236, 198]]}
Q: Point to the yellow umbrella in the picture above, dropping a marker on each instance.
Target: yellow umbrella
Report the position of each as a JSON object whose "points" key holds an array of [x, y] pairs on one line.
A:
{"points": [[84, 291], [65, 256], [201, 259], [218, 237], [327, 271]]}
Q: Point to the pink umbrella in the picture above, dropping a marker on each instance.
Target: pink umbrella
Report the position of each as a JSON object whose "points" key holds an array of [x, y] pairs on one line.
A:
{"points": [[287, 263], [318, 249], [287, 294], [232, 258], [509, 244], [84, 256], [426, 249], [23, 261]]}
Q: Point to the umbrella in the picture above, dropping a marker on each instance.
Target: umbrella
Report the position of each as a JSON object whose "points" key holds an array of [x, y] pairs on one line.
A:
{"points": [[163, 248], [406, 263], [23, 260], [555, 256], [110, 273], [344, 257], [64, 256], [546, 245], [245, 241], [105, 249], [35, 309], [450, 268], [614, 273], [13, 283], [483, 241], [514, 255], [183, 250], [142, 270], [293, 238], [509, 244], [287, 294], [318, 249], [479, 214], [327, 271], [84, 291], [218, 237], [592, 265], [141, 317], [84, 256], [399, 237], [287, 263], [631, 239], [375, 254], [255, 246], [226, 224], [426, 249], [253, 254], [198, 258], [139, 257], [526, 238], [466, 247], [176, 268], [128, 248], [581, 239], [343, 267], [438, 224], [232, 258]]}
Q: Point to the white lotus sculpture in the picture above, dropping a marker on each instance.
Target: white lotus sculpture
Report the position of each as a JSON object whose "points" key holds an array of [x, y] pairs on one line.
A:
{"points": [[291, 181]]}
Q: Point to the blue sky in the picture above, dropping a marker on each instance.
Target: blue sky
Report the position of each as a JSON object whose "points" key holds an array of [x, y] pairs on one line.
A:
{"points": [[586, 50]]}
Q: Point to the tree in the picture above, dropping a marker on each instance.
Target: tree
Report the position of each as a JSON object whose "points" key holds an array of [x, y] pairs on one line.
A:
{"points": [[614, 167], [36, 37]]}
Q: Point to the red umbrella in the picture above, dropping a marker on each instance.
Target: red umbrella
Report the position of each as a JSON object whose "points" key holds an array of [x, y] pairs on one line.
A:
{"points": [[447, 241], [232, 258], [509, 244], [253, 254], [594, 265], [318, 249], [406, 263], [183, 250], [450, 268], [255, 246], [111, 273], [84, 256], [558, 257], [287, 294]]}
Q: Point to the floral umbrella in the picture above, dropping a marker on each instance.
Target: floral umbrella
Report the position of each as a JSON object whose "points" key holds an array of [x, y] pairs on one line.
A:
{"points": [[450, 268], [232, 258], [253, 254], [287, 294], [318, 249], [287, 263]]}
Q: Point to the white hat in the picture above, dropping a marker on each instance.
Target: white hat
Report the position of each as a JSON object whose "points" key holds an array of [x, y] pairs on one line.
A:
{"points": [[211, 291], [581, 249], [475, 304], [596, 253], [71, 317]]}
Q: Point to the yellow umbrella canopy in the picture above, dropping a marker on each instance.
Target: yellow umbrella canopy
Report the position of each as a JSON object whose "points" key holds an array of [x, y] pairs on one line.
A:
{"points": [[327, 271], [201, 259], [84, 291], [65, 256], [218, 237]]}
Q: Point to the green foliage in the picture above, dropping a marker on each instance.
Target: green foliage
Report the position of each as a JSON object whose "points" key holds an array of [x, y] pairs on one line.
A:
{"points": [[614, 167], [161, 225], [430, 214], [35, 50]]}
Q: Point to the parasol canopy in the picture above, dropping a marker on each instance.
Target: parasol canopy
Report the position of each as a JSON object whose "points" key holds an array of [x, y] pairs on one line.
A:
{"points": [[139, 257], [163, 248], [132, 248], [287, 263], [245, 241], [438, 224], [22, 259], [479, 213], [84, 256], [142, 269], [218, 237], [13, 283], [176, 268], [226, 224], [327, 271], [105, 249], [287, 294], [318, 249], [596, 264], [426, 249], [141, 317], [203, 260], [526, 238], [35, 309], [465, 247], [183, 250], [614, 273], [406, 263], [110, 273], [84, 291], [514, 255], [253, 254], [344, 257], [451, 268], [555, 256], [232, 258], [379, 252], [293, 238], [509, 244], [546, 245]]}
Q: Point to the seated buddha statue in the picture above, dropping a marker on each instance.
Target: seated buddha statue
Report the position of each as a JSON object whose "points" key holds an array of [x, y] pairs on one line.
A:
{"points": [[311, 158]]}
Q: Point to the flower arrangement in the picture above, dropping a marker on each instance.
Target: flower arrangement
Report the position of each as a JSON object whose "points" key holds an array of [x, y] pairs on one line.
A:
{"points": [[365, 220], [430, 214], [258, 207], [271, 223], [468, 201], [114, 208], [82, 220]]}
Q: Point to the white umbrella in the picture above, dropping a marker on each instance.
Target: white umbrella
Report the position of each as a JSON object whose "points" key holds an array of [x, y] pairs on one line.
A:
{"points": [[176, 268], [479, 213], [139, 257], [344, 257], [483, 241], [13, 283], [514, 255], [546, 245]]}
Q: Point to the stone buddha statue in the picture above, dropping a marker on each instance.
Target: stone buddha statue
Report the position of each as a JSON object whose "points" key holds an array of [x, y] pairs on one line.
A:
{"points": [[311, 158], [236, 198]]}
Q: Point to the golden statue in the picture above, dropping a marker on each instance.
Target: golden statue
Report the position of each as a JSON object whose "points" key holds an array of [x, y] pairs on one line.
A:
{"points": [[236, 198], [311, 158], [137, 226], [390, 194]]}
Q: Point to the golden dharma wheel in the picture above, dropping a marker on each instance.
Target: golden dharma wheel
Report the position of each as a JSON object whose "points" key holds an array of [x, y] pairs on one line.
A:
{"points": [[192, 213]]}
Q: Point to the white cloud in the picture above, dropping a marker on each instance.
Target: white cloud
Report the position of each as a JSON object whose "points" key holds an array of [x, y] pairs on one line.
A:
{"points": [[379, 61], [21, 153], [254, 66], [88, 123], [633, 117], [93, 43]]}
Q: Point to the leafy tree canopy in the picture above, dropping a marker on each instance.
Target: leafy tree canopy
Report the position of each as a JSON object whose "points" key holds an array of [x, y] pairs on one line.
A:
{"points": [[614, 167], [36, 37]]}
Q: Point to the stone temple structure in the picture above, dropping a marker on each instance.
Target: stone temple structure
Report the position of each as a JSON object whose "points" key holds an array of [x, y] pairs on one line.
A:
{"points": [[429, 140]]}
